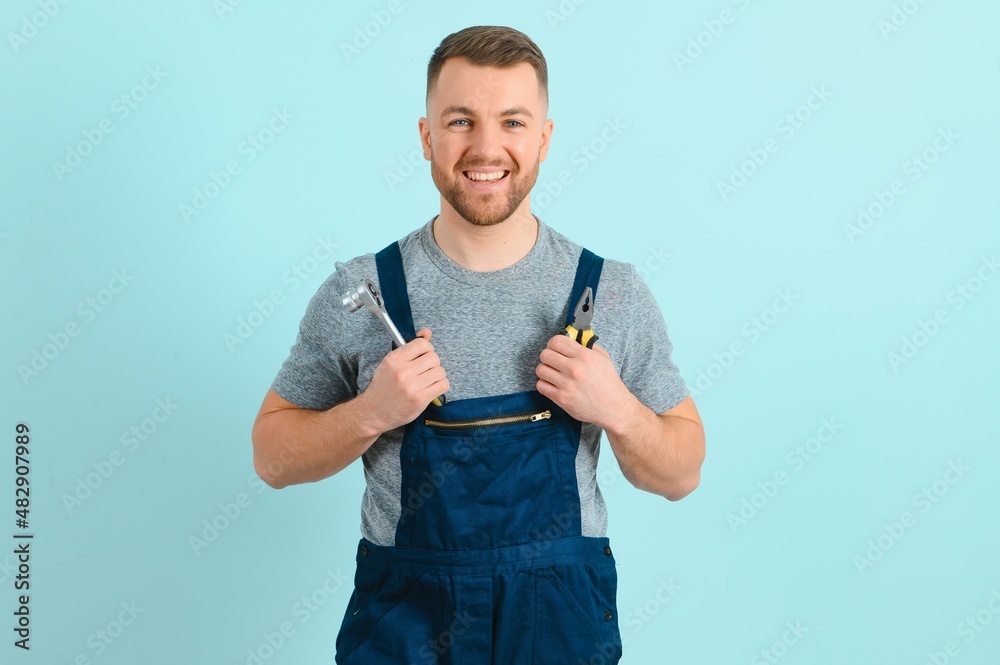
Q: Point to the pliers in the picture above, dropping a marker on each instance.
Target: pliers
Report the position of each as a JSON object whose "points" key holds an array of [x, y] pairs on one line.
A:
{"points": [[580, 329]]}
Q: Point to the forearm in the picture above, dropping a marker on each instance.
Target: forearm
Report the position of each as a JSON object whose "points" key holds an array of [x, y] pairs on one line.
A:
{"points": [[294, 446], [658, 454]]}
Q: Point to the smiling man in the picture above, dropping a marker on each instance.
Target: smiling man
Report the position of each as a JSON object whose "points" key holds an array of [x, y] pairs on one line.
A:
{"points": [[483, 529]]}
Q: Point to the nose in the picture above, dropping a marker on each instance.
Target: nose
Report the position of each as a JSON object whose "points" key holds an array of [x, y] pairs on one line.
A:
{"points": [[486, 142]]}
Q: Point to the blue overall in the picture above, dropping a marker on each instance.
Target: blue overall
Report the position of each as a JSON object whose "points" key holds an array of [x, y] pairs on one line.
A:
{"points": [[489, 564]]}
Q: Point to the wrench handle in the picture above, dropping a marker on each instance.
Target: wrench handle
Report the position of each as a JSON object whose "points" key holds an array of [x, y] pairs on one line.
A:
{"points": [[398, 339], [391, 328]]}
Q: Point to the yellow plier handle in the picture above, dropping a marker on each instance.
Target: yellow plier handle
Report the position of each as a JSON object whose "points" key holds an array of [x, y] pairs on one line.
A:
{"points": [[586, 337]]}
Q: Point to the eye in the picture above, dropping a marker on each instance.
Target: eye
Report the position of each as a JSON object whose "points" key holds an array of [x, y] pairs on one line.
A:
{"points": [[516, 122], [459, 120]]}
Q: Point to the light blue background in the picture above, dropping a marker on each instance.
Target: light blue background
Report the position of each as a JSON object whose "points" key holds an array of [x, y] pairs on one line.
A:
{"points": [[654, 189]]}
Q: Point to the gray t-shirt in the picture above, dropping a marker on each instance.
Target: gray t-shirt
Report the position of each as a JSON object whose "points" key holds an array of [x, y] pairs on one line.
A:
{"points": [[488, 329]]}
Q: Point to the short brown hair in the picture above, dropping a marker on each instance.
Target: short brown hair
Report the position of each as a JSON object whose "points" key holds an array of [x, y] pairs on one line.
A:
{"points": [[489, 46]]}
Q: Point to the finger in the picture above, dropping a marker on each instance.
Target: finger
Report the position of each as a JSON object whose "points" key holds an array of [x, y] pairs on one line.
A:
{"points": [[431, 376], [423, 364], [438, 388], [432, 383], [553, 359], [565, 345], [547, 374], [416, 347], [545, 388]]}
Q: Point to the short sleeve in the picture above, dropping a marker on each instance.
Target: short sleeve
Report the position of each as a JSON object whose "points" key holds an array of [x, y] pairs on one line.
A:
{"points": [[647, 369], [318, 373]]}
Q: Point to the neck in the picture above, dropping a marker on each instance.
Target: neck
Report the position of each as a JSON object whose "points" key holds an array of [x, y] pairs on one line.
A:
{"points": [[485, 248]]}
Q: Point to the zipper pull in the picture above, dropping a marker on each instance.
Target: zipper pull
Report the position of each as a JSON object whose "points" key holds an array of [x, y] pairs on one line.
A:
{"points": [[544, 415]]}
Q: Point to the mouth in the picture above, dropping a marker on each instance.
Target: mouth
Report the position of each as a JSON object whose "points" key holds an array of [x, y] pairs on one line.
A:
{"points": [[486, 179]]}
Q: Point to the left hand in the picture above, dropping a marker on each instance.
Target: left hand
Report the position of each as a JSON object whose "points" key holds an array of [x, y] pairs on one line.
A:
{"points": [[584, 382]]}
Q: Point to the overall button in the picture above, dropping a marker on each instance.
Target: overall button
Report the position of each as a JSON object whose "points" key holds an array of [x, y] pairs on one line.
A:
{"points": [[609, 615], [607, 550], [364, 550]]}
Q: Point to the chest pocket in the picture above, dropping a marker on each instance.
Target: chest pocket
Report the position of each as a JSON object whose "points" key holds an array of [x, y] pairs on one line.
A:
{"points": [[502, 477]]}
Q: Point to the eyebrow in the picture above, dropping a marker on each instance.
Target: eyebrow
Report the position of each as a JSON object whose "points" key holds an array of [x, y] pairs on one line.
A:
{"points": [[465, 110]]}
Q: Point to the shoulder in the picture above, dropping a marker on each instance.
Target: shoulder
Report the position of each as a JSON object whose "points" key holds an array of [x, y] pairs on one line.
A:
{"points": [[411, 242], [346, 275]]}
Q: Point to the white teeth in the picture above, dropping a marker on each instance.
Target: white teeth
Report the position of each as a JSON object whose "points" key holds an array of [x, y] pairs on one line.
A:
{"points": [[484, 176]]}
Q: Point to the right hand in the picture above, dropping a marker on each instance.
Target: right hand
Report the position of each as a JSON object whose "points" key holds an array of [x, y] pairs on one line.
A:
{"points": [[406, 381]]}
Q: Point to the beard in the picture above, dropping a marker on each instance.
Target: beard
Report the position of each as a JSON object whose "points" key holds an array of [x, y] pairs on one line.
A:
{"points": [[484, 208]]}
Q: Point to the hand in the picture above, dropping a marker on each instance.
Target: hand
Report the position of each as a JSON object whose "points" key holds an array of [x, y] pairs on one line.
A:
{"points": [[584, 382], [406, 381]]}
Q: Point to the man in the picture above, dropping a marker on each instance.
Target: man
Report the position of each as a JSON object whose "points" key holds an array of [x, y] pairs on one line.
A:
{"points": [[483, 528]]}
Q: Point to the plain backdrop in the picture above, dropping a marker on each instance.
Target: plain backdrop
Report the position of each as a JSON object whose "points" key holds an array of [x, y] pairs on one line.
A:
{"points": [[809, 189]]}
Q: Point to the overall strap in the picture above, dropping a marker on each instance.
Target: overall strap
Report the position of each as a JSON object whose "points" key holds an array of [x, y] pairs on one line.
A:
{"points": [[392, 285], [588, 273]]}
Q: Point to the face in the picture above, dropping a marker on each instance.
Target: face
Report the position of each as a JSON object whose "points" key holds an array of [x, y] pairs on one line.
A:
{"points": [[485, 135]]}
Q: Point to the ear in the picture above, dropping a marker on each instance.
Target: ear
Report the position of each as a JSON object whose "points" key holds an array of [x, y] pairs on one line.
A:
{"points": [[424, 128], [546, 139]]}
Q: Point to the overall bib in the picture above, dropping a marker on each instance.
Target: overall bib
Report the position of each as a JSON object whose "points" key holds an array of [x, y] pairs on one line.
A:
{"points": [[489, 564]]}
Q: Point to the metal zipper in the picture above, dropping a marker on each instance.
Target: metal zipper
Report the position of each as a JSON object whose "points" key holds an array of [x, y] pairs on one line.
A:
{"points": [[484, 422]]}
